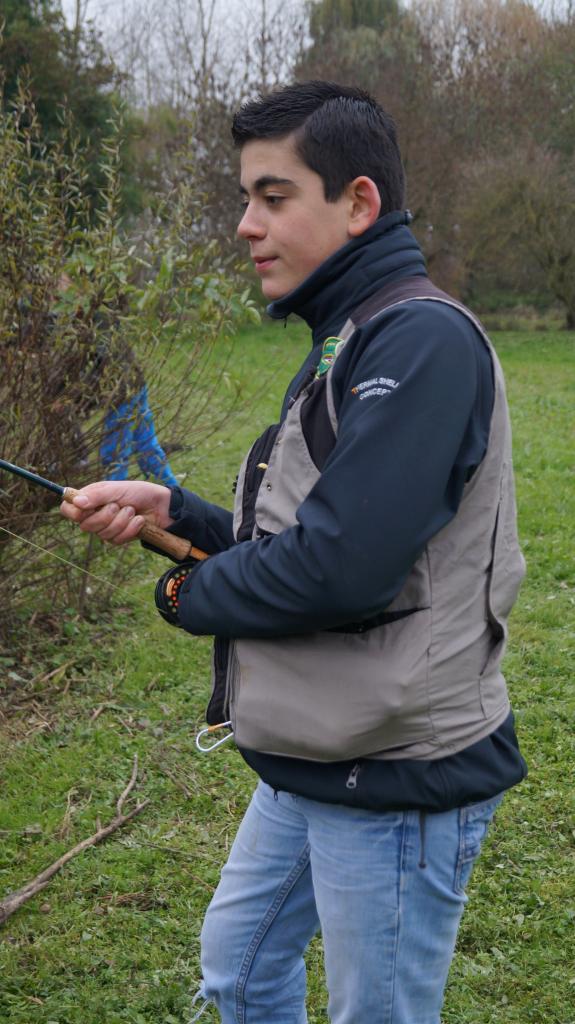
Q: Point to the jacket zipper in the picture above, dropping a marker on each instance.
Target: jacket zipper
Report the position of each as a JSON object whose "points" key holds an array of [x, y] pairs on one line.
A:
{"points": [[231, 679], [353, 777]]}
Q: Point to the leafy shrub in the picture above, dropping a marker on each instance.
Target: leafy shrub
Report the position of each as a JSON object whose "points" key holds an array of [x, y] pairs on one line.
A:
{"points": [[88, 310]]}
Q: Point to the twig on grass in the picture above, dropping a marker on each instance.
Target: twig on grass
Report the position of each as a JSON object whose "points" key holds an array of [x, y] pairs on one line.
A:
{"points": [[106, 706], [64, 830], [58, 671], [14, 900], [177, 782], [129, 787]]}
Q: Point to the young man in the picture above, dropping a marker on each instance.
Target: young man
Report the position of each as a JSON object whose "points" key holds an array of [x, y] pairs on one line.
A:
{"points": [[359, 593]]}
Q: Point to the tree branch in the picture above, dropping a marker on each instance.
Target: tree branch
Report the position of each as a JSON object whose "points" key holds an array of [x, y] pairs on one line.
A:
{"points": [[14, 900]]}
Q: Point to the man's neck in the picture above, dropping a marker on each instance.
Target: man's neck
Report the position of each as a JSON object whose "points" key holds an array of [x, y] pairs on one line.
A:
{"points": [[386, 251]]}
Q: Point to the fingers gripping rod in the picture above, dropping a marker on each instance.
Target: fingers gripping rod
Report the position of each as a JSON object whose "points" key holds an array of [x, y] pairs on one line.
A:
{"points": [[177, 547]]}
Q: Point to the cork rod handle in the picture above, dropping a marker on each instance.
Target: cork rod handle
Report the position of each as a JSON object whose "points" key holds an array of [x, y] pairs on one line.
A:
{"points": [[177, 547]]}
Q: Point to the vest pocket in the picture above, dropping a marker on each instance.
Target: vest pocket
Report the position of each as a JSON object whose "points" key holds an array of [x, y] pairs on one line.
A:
{"points": [[333, 696]]}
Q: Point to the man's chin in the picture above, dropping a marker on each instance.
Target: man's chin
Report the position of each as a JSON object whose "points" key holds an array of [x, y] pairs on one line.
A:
{"points": [[274, 290]]}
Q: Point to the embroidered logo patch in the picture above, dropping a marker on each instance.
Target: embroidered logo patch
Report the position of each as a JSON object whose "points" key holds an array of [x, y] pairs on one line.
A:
{"points": [[329, 353], [375, 386]]}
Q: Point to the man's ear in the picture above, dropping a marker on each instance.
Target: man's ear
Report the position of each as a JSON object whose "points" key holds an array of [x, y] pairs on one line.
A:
{"points": [[365, 205]]}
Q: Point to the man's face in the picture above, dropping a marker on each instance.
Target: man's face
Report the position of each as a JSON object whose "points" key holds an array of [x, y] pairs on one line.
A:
{"points": [[290, 226]]}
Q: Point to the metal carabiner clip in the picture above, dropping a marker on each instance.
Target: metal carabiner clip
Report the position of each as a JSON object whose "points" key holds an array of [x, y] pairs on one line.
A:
{"points": [[210, 729]]}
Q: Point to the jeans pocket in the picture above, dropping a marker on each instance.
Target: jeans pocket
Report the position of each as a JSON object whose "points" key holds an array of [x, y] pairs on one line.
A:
{"points": [[474, 823]]}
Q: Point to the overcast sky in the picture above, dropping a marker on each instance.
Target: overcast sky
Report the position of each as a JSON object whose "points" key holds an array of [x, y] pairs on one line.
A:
{"points": [[106, 11], [123, 23]]}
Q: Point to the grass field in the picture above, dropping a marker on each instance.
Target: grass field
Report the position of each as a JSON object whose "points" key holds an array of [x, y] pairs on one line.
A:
{"points": [[114, 938]]}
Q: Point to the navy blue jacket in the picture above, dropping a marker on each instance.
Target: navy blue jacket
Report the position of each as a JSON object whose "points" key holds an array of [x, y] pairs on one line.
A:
{"points": [[369, 516]]}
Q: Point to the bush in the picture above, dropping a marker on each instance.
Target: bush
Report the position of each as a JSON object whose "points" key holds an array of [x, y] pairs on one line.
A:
{"points": [[88, 311]]}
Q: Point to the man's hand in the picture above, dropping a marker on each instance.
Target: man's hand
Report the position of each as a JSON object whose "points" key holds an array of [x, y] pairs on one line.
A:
{"points": [[115, 510]]}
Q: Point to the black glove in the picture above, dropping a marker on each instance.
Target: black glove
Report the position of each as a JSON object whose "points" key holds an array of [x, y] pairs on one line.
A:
{"points": [[168, 589]]}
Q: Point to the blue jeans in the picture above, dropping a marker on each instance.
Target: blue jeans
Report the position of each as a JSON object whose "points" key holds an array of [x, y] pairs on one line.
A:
{"points": [[387, 891], [129, 429]]}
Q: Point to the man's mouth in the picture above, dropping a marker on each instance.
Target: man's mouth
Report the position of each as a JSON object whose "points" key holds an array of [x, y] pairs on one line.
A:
{"points": [[262, 263]]}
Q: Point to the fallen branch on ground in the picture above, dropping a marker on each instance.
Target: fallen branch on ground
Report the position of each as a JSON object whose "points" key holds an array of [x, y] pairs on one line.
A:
{"points": [[14, 900]]}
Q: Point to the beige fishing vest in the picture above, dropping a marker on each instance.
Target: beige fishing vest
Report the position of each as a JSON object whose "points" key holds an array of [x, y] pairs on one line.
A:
{"points": [[422, 686]]}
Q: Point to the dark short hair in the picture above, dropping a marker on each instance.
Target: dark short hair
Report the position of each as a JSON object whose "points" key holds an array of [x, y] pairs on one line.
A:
{"points": [[339, 132]]}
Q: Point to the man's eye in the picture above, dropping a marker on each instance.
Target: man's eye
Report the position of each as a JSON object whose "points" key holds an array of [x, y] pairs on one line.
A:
{"points": [[274, 200]]}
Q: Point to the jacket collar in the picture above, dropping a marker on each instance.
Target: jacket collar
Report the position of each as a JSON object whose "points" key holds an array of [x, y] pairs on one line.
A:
{"points": [[385, 252]]}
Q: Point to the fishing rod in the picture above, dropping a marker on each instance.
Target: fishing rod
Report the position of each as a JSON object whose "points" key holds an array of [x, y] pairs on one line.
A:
{"points": [[177, 547]]}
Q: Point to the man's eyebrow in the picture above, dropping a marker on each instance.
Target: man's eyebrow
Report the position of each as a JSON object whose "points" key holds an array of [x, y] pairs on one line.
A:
{"points": [[265, 181]]}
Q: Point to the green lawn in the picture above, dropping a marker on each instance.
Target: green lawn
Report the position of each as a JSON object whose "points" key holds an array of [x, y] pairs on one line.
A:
{"points": [[115, 936]]}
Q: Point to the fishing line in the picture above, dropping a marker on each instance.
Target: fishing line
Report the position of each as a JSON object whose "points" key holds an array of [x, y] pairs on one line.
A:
{"points": [[141, 601], [53, 554]]}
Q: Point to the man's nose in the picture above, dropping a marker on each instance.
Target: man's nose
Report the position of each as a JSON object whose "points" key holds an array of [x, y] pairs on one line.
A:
{"points": [[250, 225]]}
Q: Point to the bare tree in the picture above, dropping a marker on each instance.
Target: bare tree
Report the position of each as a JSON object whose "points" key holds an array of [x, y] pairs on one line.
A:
{"points": [[190, 64], [176, 51]]}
